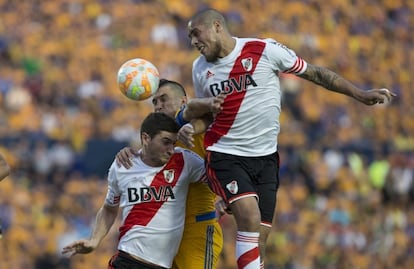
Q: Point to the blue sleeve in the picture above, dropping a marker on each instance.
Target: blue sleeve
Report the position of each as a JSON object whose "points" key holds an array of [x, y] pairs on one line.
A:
{"points": [[179, 118]]}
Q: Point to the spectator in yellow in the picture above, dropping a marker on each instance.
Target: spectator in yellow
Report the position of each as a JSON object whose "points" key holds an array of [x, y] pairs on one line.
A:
{"points": [[4, 168]]}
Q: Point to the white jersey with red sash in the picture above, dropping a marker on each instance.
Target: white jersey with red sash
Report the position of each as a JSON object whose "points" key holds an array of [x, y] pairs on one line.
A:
{"points": [[153, 204], [248, 125]]}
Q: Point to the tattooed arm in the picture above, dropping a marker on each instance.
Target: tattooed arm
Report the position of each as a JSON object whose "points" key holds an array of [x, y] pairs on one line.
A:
{"points": [[334, 82]]}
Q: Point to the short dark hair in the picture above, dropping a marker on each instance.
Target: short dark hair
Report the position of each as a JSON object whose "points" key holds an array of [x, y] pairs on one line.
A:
{"points": [[174, 84], [156, 122]]}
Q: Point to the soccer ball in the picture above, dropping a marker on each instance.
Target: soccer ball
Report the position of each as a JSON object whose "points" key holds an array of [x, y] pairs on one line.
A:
{"points": [[138, 79]]}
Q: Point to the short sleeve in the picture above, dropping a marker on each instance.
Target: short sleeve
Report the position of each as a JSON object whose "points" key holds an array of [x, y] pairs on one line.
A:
{"points": [[284, 59], [196, 79], [113, 194], [196, 167]]}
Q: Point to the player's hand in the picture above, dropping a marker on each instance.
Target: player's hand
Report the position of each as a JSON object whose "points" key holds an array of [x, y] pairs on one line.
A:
{"points": [[222, 208], [377, 96], [185, 135], [216, 103], [124, 157], [79, 247]]}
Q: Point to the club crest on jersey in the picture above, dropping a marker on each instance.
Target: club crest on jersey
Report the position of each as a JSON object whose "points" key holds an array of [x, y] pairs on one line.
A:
{"points": [[247, 64], [168, 175], [233, 187]]}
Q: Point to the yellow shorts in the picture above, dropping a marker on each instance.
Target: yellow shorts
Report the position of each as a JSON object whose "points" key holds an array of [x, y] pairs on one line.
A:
{"points": [[200, 246]]}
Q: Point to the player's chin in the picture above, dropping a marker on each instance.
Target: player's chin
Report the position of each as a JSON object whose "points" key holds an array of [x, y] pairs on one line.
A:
{"points": [[165, 158], [210, 58]]}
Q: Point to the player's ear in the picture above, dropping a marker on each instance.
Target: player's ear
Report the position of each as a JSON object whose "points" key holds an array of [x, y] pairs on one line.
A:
{"points": [[217, 26], [145, 138], [183, 101]]}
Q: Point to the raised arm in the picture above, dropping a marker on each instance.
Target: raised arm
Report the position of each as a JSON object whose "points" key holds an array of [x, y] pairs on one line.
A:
{"points": [[103, 223], [198, 114], [198, 107], [335, 83]]}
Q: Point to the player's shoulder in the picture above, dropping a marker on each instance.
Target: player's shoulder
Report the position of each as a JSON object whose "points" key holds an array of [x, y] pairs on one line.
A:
{"points": [[200, 62], [187, 153], [118, 169], [248, 39], [114, 166], [268, 42], [183, 150], [274, 44], [243, 40]]}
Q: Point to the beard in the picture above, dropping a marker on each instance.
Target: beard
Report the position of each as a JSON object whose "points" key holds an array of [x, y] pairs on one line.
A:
{"points": [[214, 53]]}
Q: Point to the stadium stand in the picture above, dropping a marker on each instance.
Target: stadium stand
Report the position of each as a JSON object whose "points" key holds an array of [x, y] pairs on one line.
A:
{"points": [[347, 194]]}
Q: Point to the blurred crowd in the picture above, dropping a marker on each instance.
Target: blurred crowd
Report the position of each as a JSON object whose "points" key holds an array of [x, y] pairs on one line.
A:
{"points": [[346, 198]]}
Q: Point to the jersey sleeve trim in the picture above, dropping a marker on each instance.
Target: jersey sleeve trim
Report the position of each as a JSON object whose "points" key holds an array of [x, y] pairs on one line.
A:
{"points": [[298, 68]]}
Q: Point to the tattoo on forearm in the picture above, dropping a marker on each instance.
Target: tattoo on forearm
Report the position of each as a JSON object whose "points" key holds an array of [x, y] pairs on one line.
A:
{"points": [[322, 77]]}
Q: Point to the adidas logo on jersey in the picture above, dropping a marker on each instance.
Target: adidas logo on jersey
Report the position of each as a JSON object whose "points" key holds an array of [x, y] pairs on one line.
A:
{"points": [[209, 74]]}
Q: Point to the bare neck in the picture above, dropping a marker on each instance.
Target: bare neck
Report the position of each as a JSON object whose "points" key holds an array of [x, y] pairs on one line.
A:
{"points": [[228, 45]]}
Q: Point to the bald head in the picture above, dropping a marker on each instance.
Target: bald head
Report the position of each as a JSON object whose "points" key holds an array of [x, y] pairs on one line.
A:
{"points": [[209, 34], [207, 17]]}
